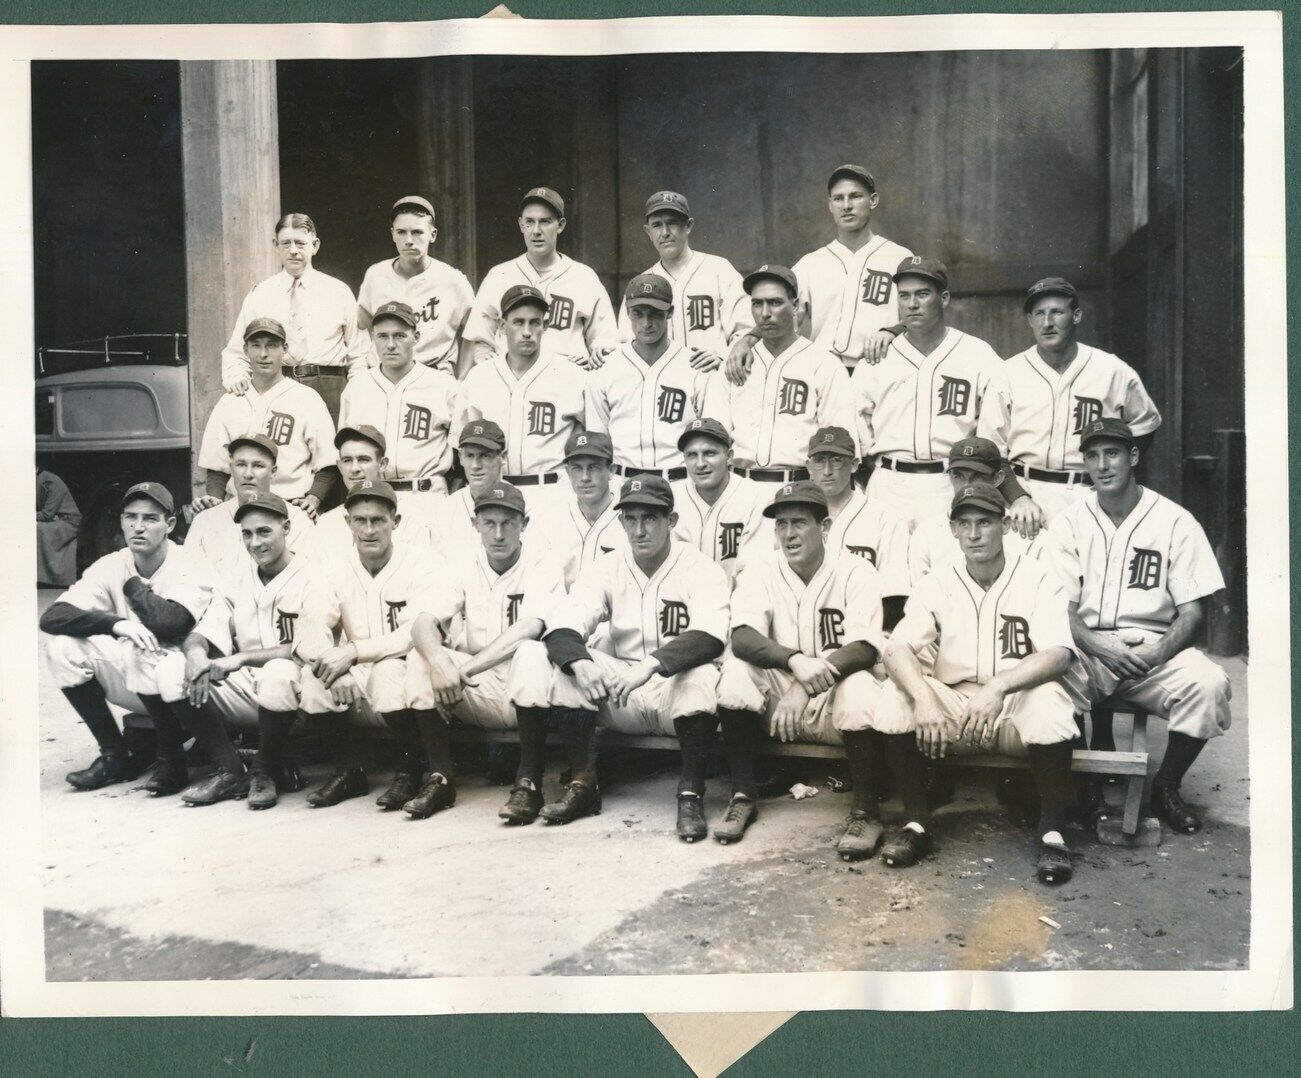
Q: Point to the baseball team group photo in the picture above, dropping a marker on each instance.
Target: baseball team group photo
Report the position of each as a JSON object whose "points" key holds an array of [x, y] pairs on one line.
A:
{"points": [[514, 515]]}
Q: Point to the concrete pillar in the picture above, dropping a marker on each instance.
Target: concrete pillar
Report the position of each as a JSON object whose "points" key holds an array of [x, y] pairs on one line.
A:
{"points": [[445, 149], [231, 157]]}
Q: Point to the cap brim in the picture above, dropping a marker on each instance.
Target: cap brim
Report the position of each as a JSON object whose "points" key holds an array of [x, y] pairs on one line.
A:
{"points": [[500, 503], [361, 495], [932, 277], [982, 466], [1107, 437], [1034, 298], [236, 442], [558, 210], [851, 174], [352, 434], [245, 509], [667, 208], [713, 436], [978, 503], [480, 440], [410, 323], [771, 511], [527, 301], [170, 510], [752, 279], [589, 454], [264, 333], [645, 501], [647, 301], [838, 450]]}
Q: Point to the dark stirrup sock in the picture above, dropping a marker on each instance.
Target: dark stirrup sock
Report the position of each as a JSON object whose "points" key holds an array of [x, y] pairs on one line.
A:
{"points": [[437, 738], [406, 735], [1180, 752], [273, 732], [577, 729], [532, 744], [742, 742], [909, 774], [1051, 766], [88, 701], [210, 732], [168, 734], [865, 750], [695, 732], [343, 750], [1103, 737]]}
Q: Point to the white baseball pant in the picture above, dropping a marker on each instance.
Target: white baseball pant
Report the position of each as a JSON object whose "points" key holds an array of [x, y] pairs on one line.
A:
{"points": [[848, 706]]}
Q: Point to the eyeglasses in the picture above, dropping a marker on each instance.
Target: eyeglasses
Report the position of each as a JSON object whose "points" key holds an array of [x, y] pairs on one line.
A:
{"points": [[293, 245]]}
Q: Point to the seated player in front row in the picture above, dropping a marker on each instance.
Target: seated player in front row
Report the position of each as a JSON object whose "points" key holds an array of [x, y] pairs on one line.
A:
{"points": [[1002, 643], [806, 631], [665, 606]]}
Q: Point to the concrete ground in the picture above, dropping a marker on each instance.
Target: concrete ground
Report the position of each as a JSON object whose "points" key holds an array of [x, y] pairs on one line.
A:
{"points": [[137, 888]]}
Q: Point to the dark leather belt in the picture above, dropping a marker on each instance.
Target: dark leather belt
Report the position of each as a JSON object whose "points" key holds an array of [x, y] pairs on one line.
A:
{"points": [[414, 484], [542, 479], [671, 474], [315, 370], [911, 467], [1048, 475], [773, 475]]}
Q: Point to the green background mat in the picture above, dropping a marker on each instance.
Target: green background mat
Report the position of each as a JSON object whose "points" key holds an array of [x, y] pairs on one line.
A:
{"points": [[848, 1042]]}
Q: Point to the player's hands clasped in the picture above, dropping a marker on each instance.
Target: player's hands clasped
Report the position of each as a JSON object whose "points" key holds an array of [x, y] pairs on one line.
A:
{"points": [[1123, 661], [624, 683], [334, 663], [346, 692], [446, 681], [788, 715], [816, 675], [980, 718], [591, 682], [138, 635]]}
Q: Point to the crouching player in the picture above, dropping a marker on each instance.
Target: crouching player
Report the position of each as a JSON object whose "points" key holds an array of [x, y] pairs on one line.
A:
{"points": [[1003, 642], [665, 606], [806, 631]]}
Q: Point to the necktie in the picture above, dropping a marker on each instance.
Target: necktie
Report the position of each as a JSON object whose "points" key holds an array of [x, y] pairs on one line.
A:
{"points": [[297, 339]]}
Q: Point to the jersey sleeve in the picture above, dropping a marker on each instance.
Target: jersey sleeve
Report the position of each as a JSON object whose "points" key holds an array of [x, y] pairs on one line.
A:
{"points": [[1193, 572], [596, 402], [1050, 626], [751, 602], [213, 454], [234, 364], [988, 364], [366, 298], [95, 589], [624, 323], [601, 328], [710, 601], [320, 434], [863, 390], [1059, 549], [485, 315], [864, 614], [717, 400], [217, 624], [995, 418], [803, 270], [193, 586], [446, 599], [1139, 410], [736, 315], [546, 588], [919, 627], [462, 302], [587, 605], [836, 401]]}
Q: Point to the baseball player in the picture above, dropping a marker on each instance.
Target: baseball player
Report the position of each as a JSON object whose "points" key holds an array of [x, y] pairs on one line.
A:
{"points": [[215, 534], [536, 399], [1002, 647], [720, 514], [1138, 572], [579, 317], [486, 606], [325, 348], [666, 606], [482, 452], [107, 634], [806, 631], [1042, 399], [292, 416], [647, 392], [440, 294], [585, 524], [709, 305], [794, 388], [371, 602]]}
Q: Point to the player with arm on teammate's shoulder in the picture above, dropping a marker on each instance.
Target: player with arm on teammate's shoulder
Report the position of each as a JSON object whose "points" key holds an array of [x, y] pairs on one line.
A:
{"points": [[806, 631], [1041, 400], [664, 608], [1139, 572], [1003, 658], [107, 635], [580, 320], [440, 294]]}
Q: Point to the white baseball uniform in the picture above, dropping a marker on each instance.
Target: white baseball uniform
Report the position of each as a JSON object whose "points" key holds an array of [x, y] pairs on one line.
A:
{"points": [[733, 530], [643, 614], [292, 415], [840, 605], [645, 407], [1035, 415], [1129, 581], [440, 295], [782, 404], [710, 307], [862, 529], [580, 315], [978, 633], [579, 541], [911, 408], [850, 294], [933, 544], [215, 536], [330, 539]]}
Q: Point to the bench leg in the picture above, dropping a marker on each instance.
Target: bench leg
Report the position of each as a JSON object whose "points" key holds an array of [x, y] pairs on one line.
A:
{"points": [[1134, 792]]}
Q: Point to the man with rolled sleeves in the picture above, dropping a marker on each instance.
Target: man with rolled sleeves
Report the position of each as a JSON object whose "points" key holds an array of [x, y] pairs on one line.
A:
{"points": [[585, 524], [806, 631], [1139, 572]]}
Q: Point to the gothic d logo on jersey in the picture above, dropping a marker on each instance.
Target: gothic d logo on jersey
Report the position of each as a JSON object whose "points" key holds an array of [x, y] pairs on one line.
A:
{"points": [[954, 395], [1087, 410], [729, 541], [674, 618], [280, 427], [285, 627], [1144, 569], [391, 615], [1014, 637], [876, 287], [794, 397], [561, 313], [417, 422], [512, 607], [700, 312], [831, 627], [542, 418], [862, 552], [671, 405]]}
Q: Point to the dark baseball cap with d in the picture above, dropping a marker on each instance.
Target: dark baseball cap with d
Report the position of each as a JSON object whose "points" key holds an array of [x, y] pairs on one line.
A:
{"points": [[272, 503], [410, 202], [267, 327], [771, 273], [982, 495], [258, 439], [668, 200], [803, 492], [363, 432], [546, 196], [371, 488], [833, 440], [396, 309], [932, 269], [852, 172], [519, 294], [979, 454], [483, 433], [1109, 429], [1050, 286], [155, 492], [589, 443], [649, 290], [502, 496], [705, 428], [650, 491]]}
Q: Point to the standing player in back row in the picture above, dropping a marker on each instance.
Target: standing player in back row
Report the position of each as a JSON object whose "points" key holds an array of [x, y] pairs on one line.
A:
{"points": [[579, 319]]}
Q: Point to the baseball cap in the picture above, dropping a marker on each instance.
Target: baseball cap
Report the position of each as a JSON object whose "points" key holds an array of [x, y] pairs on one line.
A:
{"points": [[503, 496], [706, 428], [803, 492], [546, 196], [833, 440], [984, 495], [978, 453], [652, 491], [371, 488], [365, 432], [589, 443], [409, 201], [269, 326], [272, 503], [1109, 428], [1050, 286], [930, 268], [260, 440], [483, 432], [668, 200], [649, 290], [396, 309], [517, 294], [771, 273], [852, 172], [155, 492]]}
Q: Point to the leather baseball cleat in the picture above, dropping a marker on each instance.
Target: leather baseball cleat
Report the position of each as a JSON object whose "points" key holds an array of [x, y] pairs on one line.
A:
{"points": [[167, 777], [741, 813], [262, 792], [434, 796], [1170, 807], [222, 785], [579, 800], [861, 837], [691, 818], [906, 847], [524, 804], [340, 786], [103, 771], [1054, 863], [404, 787]]}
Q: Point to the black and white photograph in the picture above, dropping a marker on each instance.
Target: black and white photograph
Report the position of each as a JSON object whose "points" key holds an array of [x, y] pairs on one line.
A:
{"points": [[530, 521]]}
